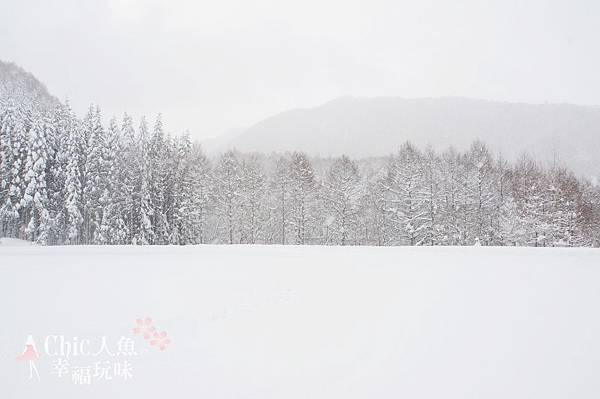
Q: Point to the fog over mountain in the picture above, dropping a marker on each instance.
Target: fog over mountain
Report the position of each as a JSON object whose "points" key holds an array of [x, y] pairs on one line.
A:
{"points": [[20, 85], [569, 134], [361, 127]]}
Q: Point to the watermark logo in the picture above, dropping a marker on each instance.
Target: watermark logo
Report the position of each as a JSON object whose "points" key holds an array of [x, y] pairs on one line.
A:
{"points": [[87, 360], [146, 329], [30, 355]]}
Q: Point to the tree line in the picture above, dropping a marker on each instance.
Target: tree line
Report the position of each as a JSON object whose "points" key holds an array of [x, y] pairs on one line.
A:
{"points": [[65, 180]]}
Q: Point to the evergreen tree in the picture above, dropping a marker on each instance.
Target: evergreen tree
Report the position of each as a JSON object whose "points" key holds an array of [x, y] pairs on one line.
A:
{"points": [[73, 189], [128, 181], [12, 144], [145, 230], [35, 200], [157, 180]]}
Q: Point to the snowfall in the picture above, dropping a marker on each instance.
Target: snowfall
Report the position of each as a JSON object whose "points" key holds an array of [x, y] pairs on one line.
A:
{"points": [[301, 322]]}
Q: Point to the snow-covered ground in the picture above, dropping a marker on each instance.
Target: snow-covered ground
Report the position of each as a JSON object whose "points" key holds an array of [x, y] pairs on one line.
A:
{"points": [[306, 322], [14, 242]]}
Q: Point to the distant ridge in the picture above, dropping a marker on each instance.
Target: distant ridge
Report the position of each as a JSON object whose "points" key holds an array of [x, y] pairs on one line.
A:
{"points": [[359, 127], [20, 85]]}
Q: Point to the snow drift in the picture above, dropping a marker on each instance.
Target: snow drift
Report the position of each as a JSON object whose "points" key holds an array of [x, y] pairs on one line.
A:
{"points": [[313, 322]]}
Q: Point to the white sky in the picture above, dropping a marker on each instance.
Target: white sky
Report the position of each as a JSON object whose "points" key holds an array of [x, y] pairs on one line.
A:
{"points": [[212, 65]]}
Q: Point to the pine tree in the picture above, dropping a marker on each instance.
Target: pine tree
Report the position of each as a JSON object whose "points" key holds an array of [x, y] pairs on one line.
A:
{"points": [[35, 200], [129, 178], [145, 231], [63, 121], [73, 199], [157, 181], [12, 143], [96, 181], [111, 227]]}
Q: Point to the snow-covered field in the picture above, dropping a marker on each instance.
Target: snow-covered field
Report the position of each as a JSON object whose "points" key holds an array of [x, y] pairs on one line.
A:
{"points": [[14, 242], [306, 322]]}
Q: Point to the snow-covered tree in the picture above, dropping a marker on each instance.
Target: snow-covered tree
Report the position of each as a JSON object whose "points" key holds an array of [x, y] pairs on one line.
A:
{"points": [[481, 193], [280, 190], [253, 211], [303, 196], [341, 194], [12, 152], [403, 185], [65, 180], [73, 188], [158, 179], [35, 200], [227, 183], [454, 199], [528, 188], [431, 193], [202, 197], [144, 232], [128, 180]]}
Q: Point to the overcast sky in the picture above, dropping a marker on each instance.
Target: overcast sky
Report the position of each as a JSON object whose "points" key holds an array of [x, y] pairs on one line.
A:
{"points": [[213, 65]]}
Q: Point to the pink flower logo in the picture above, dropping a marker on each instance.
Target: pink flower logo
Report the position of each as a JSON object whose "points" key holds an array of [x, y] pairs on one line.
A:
{"points": [[160, 340], [144, 327]]}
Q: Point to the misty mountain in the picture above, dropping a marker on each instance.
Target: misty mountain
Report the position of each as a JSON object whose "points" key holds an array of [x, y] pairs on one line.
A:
{"points": [[222, 141], [21, 86], [359, 127]]}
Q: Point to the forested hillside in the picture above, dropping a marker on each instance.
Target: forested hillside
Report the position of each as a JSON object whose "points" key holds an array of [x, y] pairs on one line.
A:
{"points": [[71, 181], [65, 180], [22, 87]]}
